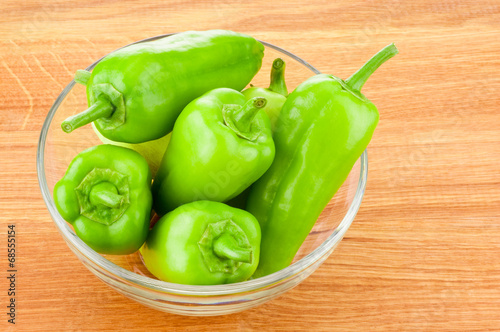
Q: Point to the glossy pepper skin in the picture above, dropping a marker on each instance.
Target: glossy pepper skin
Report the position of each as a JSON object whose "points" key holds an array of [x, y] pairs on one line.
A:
{"points": [[324, 127], [136, 93], [105, 194], [275, 94], [220, 145], [203, 243]]}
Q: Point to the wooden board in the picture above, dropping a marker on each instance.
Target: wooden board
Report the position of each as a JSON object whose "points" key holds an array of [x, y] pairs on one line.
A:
{"points": [[424, 250]]}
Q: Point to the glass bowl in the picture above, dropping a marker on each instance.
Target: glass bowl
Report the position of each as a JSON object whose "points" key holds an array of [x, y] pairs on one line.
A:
{"points": [[128, 275]]}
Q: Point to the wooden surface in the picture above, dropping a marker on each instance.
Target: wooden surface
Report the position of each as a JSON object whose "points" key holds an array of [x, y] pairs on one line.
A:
{"points": [[424, 250]]}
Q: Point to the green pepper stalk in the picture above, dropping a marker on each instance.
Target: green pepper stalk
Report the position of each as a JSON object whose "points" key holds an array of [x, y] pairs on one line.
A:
{"points": [[275, 94], [220, 145], [105, 194], [136, 93], [324, 127], [152, 151], [101, 108], [203, 243]]}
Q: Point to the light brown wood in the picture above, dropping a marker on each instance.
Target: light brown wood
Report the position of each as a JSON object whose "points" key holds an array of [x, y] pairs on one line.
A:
{"points": [[424, 250]]}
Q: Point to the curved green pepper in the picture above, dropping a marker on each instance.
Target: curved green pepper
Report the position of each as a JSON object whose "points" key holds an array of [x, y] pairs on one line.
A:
{"points": [[136, 93], [324, 127], [276, 93], [203, 243], [220, 145], [105, 194]]}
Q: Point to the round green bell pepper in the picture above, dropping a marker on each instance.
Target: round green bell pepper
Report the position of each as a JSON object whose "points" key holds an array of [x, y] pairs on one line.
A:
{"points": [[105, 194], [220, 145], [203, 243]]}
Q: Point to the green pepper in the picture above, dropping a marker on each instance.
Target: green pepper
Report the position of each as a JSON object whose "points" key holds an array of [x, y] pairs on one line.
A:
{"points": [[220, 145], [136, 93], [152, 151], [275, 94], [324, 127], [203, 243], [276, 97], [105, 194]]}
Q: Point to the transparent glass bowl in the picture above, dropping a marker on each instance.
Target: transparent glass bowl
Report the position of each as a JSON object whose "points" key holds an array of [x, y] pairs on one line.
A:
{"points": [[128, 275]]}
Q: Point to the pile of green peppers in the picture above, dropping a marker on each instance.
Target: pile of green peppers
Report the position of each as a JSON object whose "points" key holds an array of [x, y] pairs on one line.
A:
{"points": [[236, 176]]}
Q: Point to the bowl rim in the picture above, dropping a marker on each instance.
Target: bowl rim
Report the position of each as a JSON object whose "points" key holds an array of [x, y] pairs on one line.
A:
{"points": [[181, 289]]}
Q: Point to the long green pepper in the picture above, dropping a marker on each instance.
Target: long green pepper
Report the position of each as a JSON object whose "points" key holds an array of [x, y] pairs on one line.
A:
{"points": [[323, 128], [136, 93]]}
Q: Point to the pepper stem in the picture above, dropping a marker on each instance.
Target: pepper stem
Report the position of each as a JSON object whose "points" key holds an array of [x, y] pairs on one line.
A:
{"points": [[358, 79], [82, 76], [243, 117], [101, 109], [106, 194], [225, 246], [278, 84]]}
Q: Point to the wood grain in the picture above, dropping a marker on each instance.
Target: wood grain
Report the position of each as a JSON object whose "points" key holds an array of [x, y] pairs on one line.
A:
{"points": [[424, 251]]}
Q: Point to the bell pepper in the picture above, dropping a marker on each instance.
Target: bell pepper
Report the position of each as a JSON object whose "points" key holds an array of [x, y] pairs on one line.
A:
{"points": [[105, 194], [275, 94], [136, 93], [203, 243], [220, 145], [324, 126]]}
